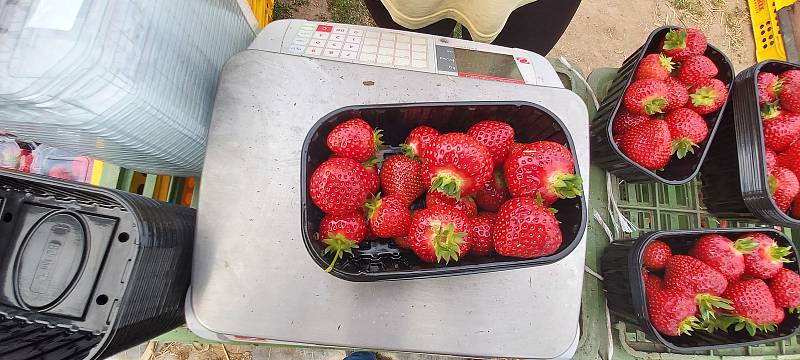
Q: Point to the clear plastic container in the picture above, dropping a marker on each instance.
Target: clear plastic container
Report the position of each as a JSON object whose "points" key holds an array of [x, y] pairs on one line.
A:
{"points": [[61, 164], [128, 81]]}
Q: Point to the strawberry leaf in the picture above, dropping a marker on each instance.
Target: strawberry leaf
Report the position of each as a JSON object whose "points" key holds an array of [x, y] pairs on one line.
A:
{"points": [[446, 241], [566, 186], [666, 62], [745, 245], [772, 184], [337, 244], [683, 147], [704, 96], [779, 253], [449, 185], [655, 105], [770, 110], [675, 39]]}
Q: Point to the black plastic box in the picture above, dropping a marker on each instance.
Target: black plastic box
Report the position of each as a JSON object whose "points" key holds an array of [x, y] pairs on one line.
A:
{"points": [[621, 266], [606, 153], [87, 272], [382, 260], [739, 188]]}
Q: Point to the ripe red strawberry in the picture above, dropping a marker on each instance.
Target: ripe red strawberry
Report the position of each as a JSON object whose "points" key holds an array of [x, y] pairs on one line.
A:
{"points": [[526, 229], [402, 242], [780, 315], [439, 234], [707, 96], [649, 144], [652, 284], [692, 276], [402, 178], [785, 289], [388, 217], [516, 147], [355, 139], [796, 208], [342, 233], [339, 186], [543, 168], [781, 128], [493, 194], [789, 96], [672, 312], [783, 186], [767, 260], [722, 254], [790, 76], [768, 87], [771, 158], [457, 165], [373, 180], [695, 69], [754, 308], [687, 129], [465, 204], [481, 234], [646, 97], [682, 43], [654, 66], [790, 158], [418, 141], [655, 255], [626, 120], [678, 95], [496, 136]]}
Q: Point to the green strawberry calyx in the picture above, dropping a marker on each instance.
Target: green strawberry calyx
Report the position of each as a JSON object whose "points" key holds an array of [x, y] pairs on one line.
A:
{"points": [[565, 185], [338, 244], [447, 183], [779, 253], [687, 325], [770, 110], [666, 62], [499, 180], [772, 184], [675, 39], [377, 140], [655, 105], [745, 245], [742, 323], [682, 147], [446, 241], [540, 200], [794, 310], [704, 96], [372, 205], [410, 151], [777, 86], [708, 305]]}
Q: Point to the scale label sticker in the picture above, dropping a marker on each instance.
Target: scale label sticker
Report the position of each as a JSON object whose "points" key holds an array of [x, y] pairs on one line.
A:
{"points": [[446, 59]]}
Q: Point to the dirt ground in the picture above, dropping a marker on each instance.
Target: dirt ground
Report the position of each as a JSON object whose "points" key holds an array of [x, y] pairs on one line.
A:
{"points": [[603, 32]]}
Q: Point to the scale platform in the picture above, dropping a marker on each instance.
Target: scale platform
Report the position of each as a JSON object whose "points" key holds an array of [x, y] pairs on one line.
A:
{"points": [[253, 279]]}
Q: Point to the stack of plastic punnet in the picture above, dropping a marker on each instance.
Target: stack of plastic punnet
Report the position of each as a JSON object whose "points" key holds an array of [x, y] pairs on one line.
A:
{"points": [[129, 81]]}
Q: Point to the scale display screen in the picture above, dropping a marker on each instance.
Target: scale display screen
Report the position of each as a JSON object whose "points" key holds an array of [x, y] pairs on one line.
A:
{"points": [[478, 64]]}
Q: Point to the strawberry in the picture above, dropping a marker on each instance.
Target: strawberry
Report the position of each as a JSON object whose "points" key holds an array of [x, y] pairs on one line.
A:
{"points": [[355, 139], [780, 315], [693, 276], [649, 144], [516, 147], [768, 87], [438, 234], [342, 233], [789, 76], [722, 254], [652, 284], [654, 66], [678, 94], [796, 208], [694, 69], [789, 96], [388, 217], [682, 43], [626, 120], [418, 141], [457, 165], [402, 178], [481, 234], [402, 242], [373, 180], [672, 312], [790, 158], [339, 186], [543, 168], [465, 204], [646, 97], [766, 261], [496, 136], [781, 128], [707, 96], [770, 158], [753, 307], [783, 187], [785, 289], [687, 129], [526, 229], [493, 194], [655, 255]]}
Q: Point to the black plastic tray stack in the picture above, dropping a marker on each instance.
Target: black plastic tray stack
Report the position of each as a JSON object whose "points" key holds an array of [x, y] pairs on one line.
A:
{"points": [[621, 266], [734, 188], [382, 260], [87, 272], [605, 152]]}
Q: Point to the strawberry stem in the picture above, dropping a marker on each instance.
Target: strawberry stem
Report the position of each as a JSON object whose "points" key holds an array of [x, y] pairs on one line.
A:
{"points": [[446, 241], [682, 147], [675, 39], [447, 184], [566, 186], [338, 244], [704, 96]]}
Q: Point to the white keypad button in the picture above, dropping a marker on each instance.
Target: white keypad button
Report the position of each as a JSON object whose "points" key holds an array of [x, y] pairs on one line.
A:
{"points": [[321, 35], [373, 34], [416, 47], [318, 43], [402, 61], [304, 33], [383, 59], [351, 47], [418, 41], [403, 46], [388, 36], [387, 43], [370, 58], [339, 30], [301, 41], [354, 39], [403, 38], [314, 51], [337, 37], [331, 53], [418, 55], [418, 63], [369, 41], [356, 32], [369, 49], [334, 45], [308, 27], [385, 51], [402, 53], [296, 49], [349, 55]]}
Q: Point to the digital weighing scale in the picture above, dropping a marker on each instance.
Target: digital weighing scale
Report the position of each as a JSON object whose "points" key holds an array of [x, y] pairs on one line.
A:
{"points": [[253, 279]]}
